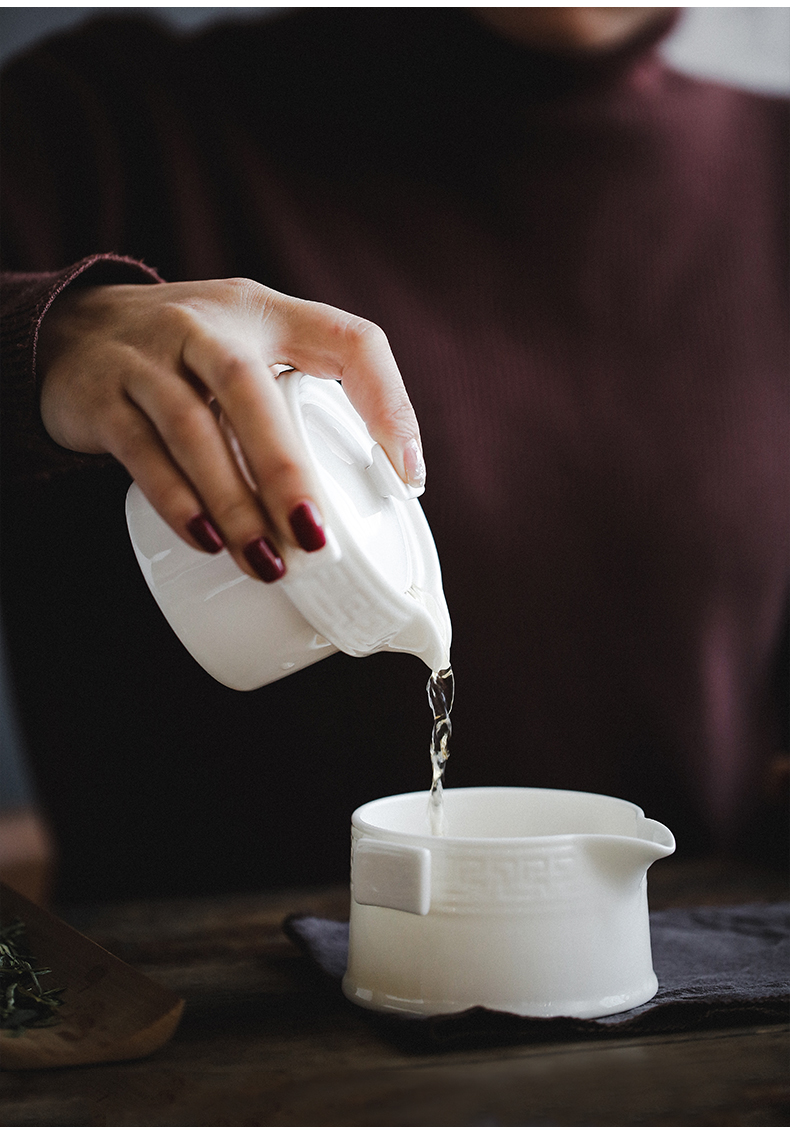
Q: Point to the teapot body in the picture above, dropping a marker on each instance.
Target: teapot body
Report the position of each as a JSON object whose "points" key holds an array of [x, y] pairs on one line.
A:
{"points": [[376, 585]]}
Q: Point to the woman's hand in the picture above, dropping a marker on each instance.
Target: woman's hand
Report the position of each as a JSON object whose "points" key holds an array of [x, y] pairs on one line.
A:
{"points": [[144, 371]]}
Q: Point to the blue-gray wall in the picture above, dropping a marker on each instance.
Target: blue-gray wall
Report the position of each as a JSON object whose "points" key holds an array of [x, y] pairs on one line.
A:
{"points": [[21, 27]]}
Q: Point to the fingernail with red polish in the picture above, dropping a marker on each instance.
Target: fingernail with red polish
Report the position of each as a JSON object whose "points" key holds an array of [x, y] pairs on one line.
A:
{"points": [[264, 560], [306, 525], [205, 534]]}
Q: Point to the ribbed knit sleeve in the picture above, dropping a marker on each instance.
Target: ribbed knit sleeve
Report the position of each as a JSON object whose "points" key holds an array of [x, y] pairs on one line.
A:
{"points": [[27, 449], [64, 192]]}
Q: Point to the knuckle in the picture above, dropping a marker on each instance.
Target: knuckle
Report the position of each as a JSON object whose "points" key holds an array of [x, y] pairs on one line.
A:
{"points": [[176, 319], [242, 285], [281, 471], [245, 294], [362, 334], [393, 418], [170, 500], [183, 424], [343, 333], [402, 418], [127, 444], [232, 372]]}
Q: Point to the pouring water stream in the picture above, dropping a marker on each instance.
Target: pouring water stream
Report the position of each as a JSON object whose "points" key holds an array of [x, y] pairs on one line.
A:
{"points": [[441, 692]]}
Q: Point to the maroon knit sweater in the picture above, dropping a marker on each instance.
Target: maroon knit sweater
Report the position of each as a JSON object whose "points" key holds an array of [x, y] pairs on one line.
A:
{"points": [[581, 269]]}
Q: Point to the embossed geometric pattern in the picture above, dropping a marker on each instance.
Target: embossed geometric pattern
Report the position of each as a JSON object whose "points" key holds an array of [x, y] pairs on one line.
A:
{"points": [[548, 875]]}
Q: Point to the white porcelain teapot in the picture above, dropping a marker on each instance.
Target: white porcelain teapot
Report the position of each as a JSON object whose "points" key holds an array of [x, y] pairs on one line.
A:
{"points": [[375, 586]]}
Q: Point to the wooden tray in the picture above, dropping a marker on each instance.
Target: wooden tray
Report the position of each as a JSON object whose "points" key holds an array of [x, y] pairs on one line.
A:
{"points": [[111, 1012]]}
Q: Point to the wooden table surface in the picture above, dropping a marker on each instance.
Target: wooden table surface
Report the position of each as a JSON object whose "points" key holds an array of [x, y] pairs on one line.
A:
{"points": [[266, 1040]]}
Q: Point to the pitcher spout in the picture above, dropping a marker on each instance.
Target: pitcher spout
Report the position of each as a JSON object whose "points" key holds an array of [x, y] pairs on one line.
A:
{"points": [[657, 840], [624, 860]]}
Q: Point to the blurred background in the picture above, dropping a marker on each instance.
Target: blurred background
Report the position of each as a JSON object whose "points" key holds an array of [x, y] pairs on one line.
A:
{"points": [[744, 46], [749, 47]]}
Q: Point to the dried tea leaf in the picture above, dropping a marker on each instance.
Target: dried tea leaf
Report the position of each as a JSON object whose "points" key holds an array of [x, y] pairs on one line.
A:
{"points": [[24, 1003]]}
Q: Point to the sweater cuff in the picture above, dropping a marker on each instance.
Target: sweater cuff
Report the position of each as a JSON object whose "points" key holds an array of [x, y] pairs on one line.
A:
{"points": [[29, 451]]}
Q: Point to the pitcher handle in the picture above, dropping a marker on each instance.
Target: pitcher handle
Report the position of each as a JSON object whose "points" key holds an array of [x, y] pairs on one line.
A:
{"points": [[388, 875]]}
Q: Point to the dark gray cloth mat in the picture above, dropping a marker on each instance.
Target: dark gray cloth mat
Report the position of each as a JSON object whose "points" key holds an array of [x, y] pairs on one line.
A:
{"points": [[716, 967]]}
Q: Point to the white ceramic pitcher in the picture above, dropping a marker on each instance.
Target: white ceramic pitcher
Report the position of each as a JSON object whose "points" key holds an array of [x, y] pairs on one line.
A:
{"points": [[375, 586], [534, 902]]}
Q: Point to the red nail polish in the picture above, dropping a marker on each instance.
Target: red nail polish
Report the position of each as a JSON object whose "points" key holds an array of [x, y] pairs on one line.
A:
{"points": [[264, 560], [306, 525], [205, 533]]}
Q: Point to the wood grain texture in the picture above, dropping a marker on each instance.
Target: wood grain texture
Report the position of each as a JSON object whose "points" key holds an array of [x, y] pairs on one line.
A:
{"points": [[267, 1040], [111, 1012]]}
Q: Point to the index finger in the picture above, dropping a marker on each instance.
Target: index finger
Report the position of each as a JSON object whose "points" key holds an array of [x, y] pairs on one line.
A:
{"points": [[328, 342], [253, 405]]}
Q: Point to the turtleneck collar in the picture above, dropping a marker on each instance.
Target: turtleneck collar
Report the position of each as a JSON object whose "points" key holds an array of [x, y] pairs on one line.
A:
{"points": [[399, 88], [516, 69]]}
